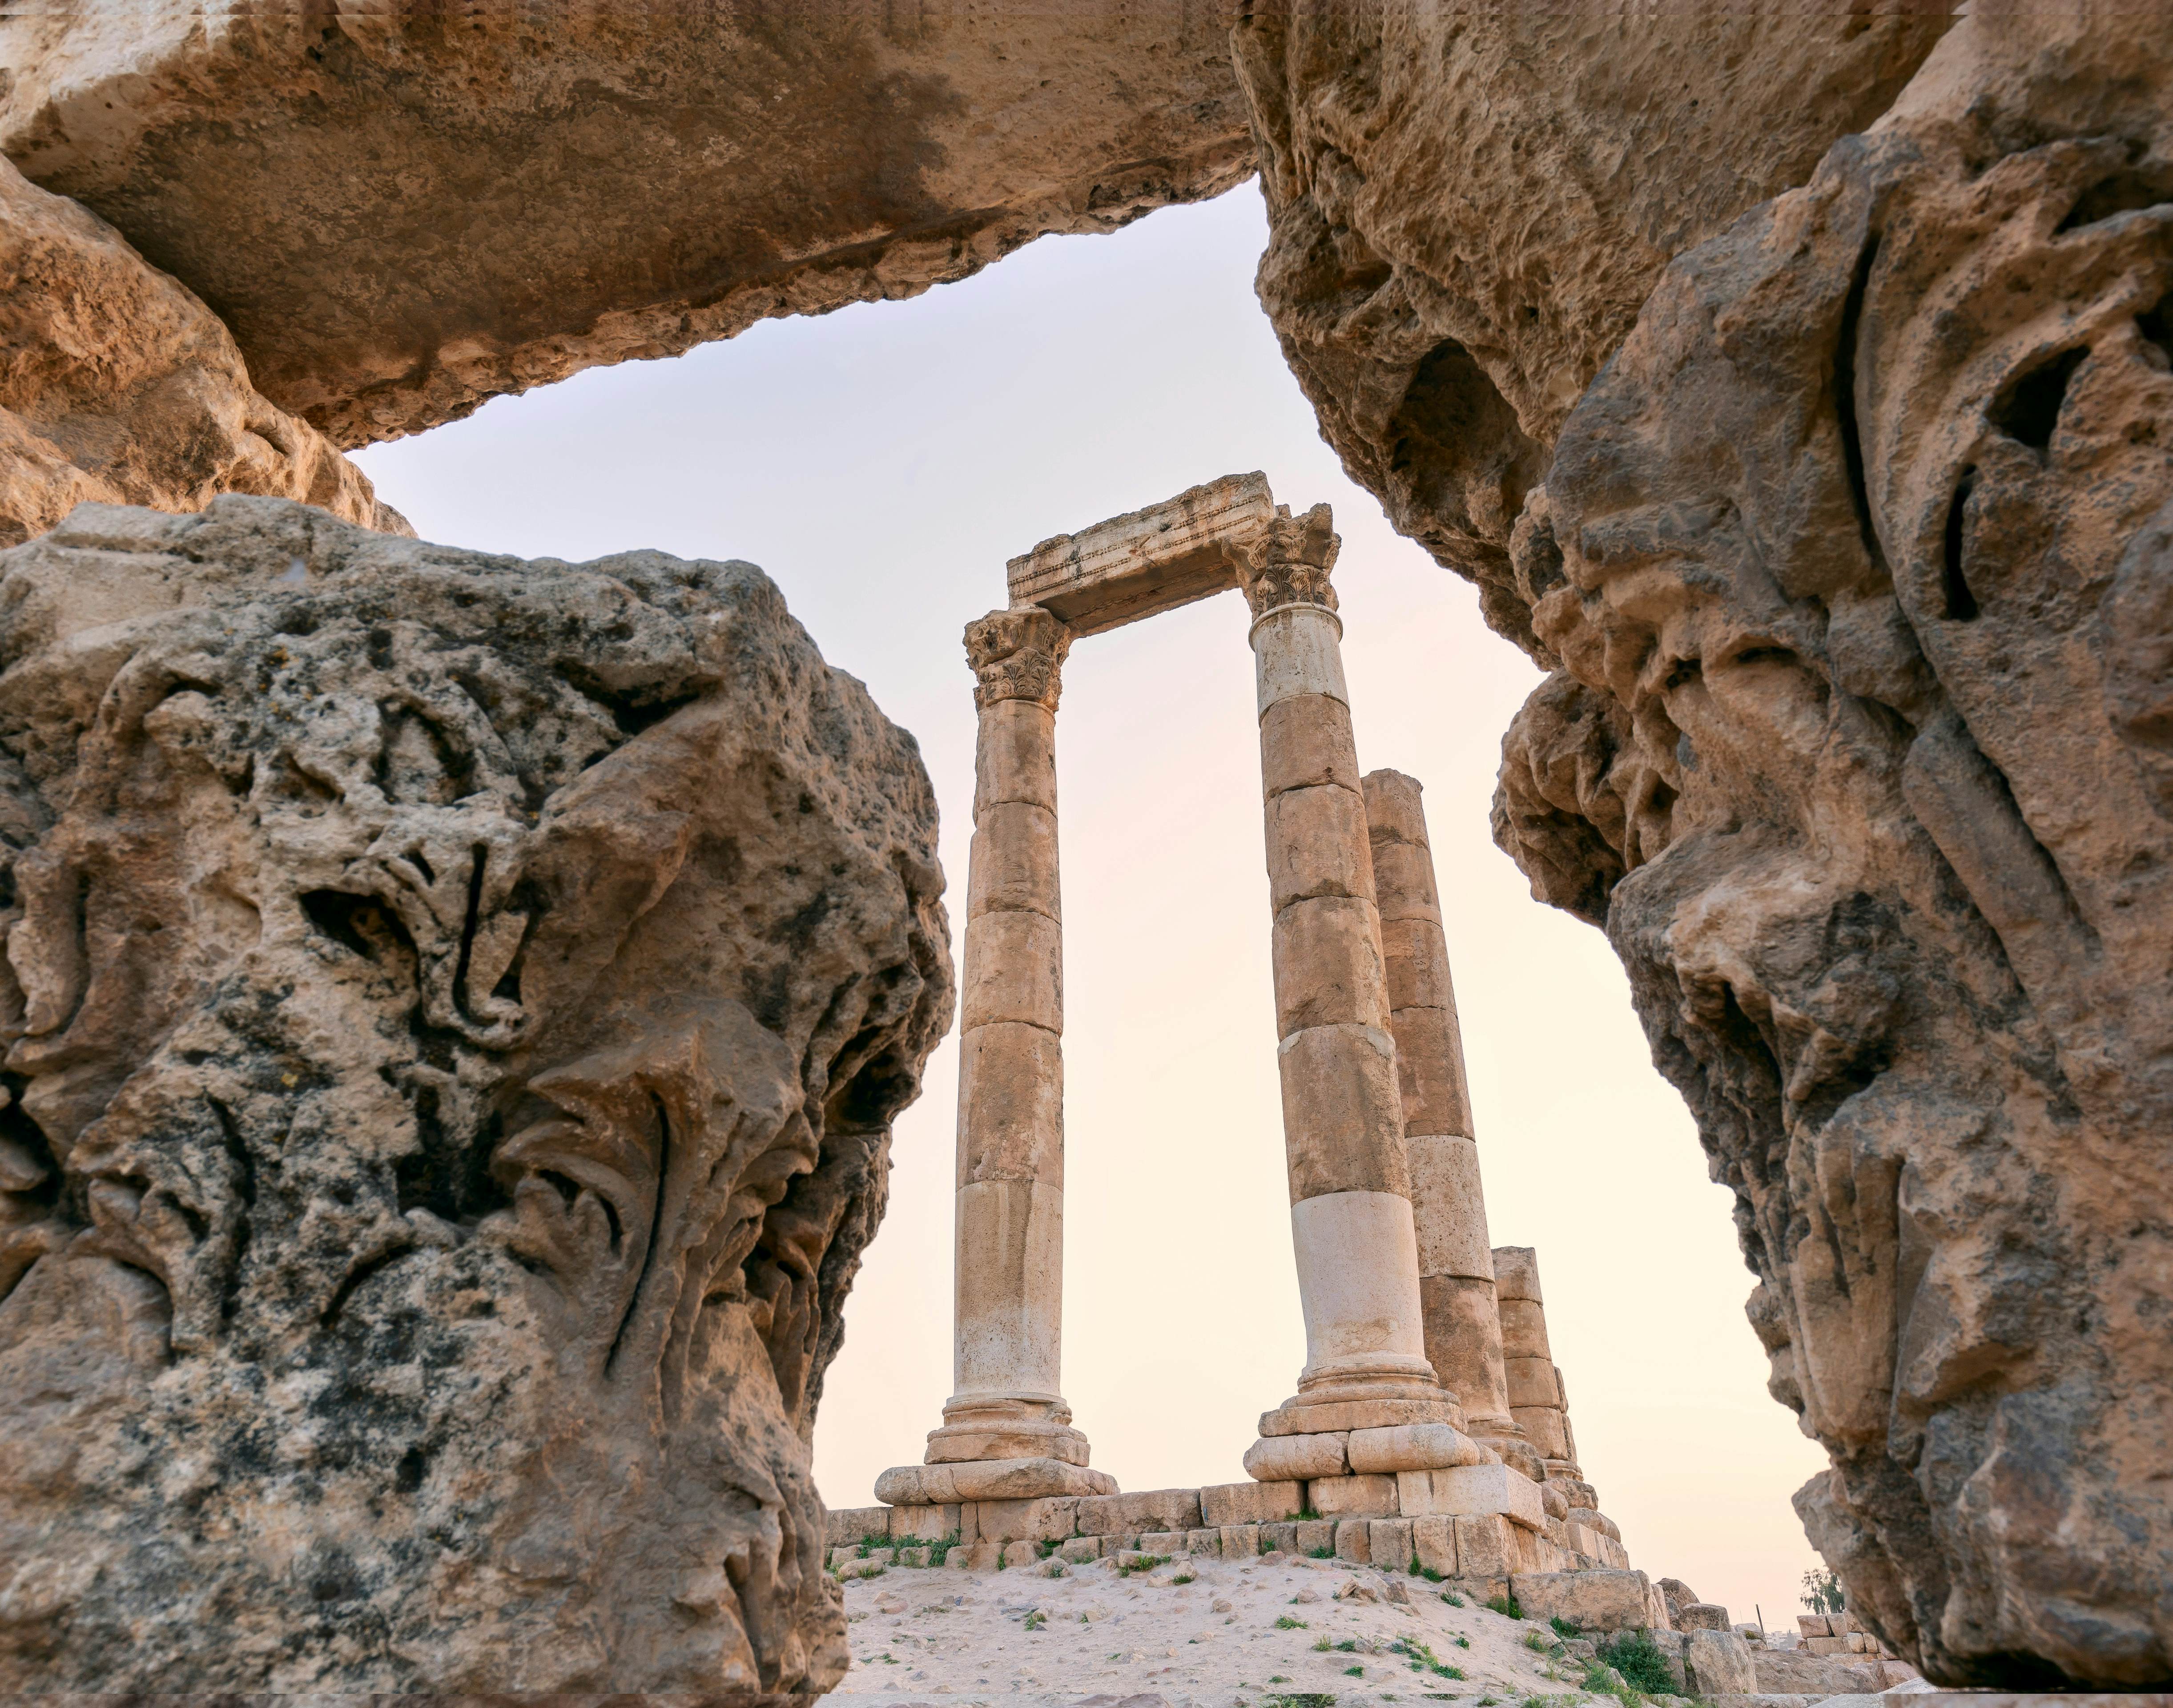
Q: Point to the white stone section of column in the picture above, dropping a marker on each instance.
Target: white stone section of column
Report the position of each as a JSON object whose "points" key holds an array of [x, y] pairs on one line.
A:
{"points": [[1007, 1430], [1448, 1204], [1351, 1211], [1535, 1390]]}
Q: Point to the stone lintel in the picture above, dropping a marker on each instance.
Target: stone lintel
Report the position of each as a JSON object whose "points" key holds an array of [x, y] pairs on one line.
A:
{"points": [[1153, 560]]}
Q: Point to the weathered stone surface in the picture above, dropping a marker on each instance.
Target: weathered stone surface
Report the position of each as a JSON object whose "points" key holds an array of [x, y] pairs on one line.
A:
{"points": [[1592, 1601], [118, 386], [401, 216], [1855, 565], [1467, 208], [456, 1007]]}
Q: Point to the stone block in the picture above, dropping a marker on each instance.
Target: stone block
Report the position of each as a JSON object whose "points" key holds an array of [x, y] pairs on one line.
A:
{"points": [[1828, 1645], [1531, 1383], [1170, 1544], [1591, 1520], [1207, 1542], [1813, 1625], [1433, 1542], [1018, 1553], [1517, 1275], [1388, 1543], [1279, 1538], [1239, 1541], [1483, 1546], [1354, 1540], [1326, 954], [1012, 969], [1288, 1459], [1225, 1504], [916, 1556], [1343, 1114], [1014, 863], [1012, 1124], [1300, 749], [1408, 1447], [1701, 1616], [1013, 757], [1544, 1428], [989, 1479], [1467, 1491], [1297, 654], [855, 1524], [1354, 1497], [925, 1523], [1080, 1549], [1023, 1521], [1718, 1663], [975, 1556], [1151, 1509], [1315, 1537], [1591, 1601], [1316, 846]]}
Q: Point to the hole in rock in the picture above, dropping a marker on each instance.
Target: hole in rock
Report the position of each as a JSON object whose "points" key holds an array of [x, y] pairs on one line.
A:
{"points": [[2029, 409], [1960, 602]]}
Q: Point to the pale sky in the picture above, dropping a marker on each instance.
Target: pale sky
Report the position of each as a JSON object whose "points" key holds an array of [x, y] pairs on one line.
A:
{"points": [[881, 463]]}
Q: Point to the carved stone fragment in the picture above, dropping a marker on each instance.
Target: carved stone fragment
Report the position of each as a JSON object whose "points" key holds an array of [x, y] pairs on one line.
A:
{"points": [[454, 1009], [1854, 568]]}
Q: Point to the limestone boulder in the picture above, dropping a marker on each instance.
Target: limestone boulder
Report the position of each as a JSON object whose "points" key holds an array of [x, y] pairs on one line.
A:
{"points": [[1468, 206], [1603, 1600], [403, 212], [455, 1008], [117, 385], [1853, 569]]}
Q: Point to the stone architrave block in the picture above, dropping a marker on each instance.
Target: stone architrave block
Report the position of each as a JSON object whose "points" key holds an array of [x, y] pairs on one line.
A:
{"points": [[1239, 1541], [1433, 1544], [1224, 1504], [1052, 1520], [1484, 1549], [925, 1523], [1151, 1509], [1467, 1491], [1353, 1497], [1278, 1538], [1316, 1536], [1409, 1447], [1080, 1549], [1591, 1601], [855, 1524], [1354, 1540], [1389, 1543], [1169, 1543], [1718, 1663], [1296, 1459], [1208, 1542]]}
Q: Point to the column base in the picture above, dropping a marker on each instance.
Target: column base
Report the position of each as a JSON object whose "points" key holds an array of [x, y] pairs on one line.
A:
{"points": [[1511, 1445], [987, 1479], [1006, 1426]]}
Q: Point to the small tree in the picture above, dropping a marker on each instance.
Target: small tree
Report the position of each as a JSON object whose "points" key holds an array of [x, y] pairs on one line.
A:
{"points": [[1822, 1592]]}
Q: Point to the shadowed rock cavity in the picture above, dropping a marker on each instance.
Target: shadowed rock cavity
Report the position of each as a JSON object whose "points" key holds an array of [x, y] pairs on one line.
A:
{"points": [[454, 1009], [1854, 569], [403, 212]]}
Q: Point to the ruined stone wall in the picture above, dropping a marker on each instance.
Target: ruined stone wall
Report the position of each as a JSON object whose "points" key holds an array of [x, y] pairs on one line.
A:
{"points": [[455, 1008]]}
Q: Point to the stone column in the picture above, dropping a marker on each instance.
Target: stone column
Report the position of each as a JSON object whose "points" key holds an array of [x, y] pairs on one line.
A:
{"points": [[1007, 1430], [1351, 1193], [1448, 1205], [1536, 1400]]}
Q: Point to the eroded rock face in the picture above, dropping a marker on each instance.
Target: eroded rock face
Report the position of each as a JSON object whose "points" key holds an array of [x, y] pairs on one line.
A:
{"points": [[455, 1007], [118, 386], [1856, 566], [403, 212], [1468, 206]]}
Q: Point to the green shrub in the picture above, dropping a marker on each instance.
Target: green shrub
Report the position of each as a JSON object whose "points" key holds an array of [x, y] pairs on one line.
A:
{"points": [[1321, 1554], [1353, 1672], [937, 1550], [1638, 1659], [1145, 1562], [1506, 1605], [1285, 1623], [1563, 1628], [1422, 1658], [1301, 1699], [1452, 1598], [1425, 1571], [1304, 1515]]}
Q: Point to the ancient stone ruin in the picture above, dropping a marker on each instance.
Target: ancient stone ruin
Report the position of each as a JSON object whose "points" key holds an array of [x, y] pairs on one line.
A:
{"points": [[1429, 1423], [1794, 384]]}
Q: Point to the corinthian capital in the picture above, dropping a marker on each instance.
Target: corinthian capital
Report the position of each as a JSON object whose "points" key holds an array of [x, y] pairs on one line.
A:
{"points": [[1017, 655], [1289, 564]]}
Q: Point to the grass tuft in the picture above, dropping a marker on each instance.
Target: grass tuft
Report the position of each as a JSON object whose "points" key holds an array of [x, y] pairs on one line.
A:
{"points": [[1638, 1659], [1145, 1562], [1452, 1598], [1285, 1623]]}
